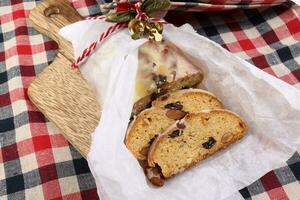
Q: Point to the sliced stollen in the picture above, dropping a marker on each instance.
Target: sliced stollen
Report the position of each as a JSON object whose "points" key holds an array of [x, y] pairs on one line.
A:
{"points": [[164, 112], [193, 139], [162, 68]]}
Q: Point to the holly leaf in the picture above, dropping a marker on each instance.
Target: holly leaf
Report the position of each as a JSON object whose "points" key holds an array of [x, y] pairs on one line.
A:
{"points": [[123, 16], [152, 6]]}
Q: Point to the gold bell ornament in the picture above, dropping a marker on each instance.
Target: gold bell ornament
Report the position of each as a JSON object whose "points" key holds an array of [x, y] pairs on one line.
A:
{"points": [[138, 29]]}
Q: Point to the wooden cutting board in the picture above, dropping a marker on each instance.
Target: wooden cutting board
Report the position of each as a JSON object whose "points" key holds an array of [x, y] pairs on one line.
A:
{"points": [[59, 92]]}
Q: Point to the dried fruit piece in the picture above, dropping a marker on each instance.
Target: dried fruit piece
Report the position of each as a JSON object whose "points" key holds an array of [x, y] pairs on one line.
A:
{"points": [[131, 118], [165, 97], [210, 143], [157, 181], [174, 106], [226, 138], [155, 176], [175, 133], [159, 80], [180, 125], [175, 114], [152, 140]]}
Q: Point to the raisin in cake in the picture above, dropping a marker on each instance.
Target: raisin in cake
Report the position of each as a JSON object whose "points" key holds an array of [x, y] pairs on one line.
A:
{"points": [[162, 68], [193, 139], [164, 112]]}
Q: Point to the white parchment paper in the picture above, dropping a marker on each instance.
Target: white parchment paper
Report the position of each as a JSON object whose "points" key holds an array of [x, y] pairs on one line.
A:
{"points": [[270, 107]]}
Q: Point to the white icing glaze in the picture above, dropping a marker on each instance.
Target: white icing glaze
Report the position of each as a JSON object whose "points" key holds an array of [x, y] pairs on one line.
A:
{"points": [[156, 58]]}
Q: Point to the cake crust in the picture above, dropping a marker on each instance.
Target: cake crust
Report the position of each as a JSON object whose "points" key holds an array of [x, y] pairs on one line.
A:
{"points": [[205, 133], [163, 113]]}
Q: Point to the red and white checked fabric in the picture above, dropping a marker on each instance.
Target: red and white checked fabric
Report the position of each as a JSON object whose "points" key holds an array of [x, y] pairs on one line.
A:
{"points": [[230, 2], [36, 162], [214, 6]]}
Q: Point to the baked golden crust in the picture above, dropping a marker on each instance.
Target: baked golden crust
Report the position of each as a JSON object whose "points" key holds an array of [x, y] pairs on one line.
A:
{"points": [[164, 112], [202, 135]]}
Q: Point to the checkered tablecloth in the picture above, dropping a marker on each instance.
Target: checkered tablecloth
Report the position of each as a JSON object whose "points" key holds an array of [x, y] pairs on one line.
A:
{"points": [[36, 162]]}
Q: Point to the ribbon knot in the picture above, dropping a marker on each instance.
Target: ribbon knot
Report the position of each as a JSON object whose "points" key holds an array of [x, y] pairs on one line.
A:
{"points": [[137, 6], [139, 13]]}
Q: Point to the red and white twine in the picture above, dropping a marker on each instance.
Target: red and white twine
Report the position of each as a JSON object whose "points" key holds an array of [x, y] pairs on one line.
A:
{"points": [[140, 14], [87, 52]]}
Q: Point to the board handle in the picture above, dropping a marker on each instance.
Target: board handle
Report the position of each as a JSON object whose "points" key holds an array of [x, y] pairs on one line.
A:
{"points": [[51, 15]]}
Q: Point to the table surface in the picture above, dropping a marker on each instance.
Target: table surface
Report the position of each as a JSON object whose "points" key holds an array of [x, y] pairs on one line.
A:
{"points": [[36, 162]]}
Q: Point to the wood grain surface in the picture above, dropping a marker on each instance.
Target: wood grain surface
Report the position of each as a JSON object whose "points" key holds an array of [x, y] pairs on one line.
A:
{"points": [[59, 92]]}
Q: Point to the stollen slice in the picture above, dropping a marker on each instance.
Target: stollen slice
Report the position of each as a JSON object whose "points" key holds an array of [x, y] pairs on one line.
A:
{"points": [[164, 112], [194, 138], [162, 68]]}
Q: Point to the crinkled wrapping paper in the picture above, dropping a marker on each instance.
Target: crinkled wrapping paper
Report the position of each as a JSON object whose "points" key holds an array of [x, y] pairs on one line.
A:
{"points": [[270, 107]]}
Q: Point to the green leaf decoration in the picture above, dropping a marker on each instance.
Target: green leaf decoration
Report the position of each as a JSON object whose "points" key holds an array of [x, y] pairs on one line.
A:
{"points": [[152, 6], [123, 16], [149, 7]]}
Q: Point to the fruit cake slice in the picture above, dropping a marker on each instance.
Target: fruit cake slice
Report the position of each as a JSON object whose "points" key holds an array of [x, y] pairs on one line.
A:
{"points": [[193, 139], [164, 112], [162, 68]]}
